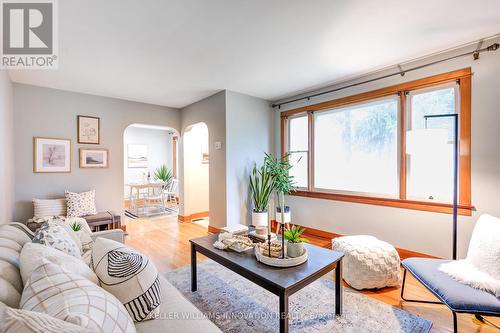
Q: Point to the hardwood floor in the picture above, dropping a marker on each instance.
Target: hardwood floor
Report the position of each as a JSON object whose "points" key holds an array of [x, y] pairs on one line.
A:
{"points": [[166, 242]]}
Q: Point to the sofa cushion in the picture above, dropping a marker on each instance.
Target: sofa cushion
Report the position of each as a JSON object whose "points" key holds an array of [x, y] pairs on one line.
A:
{"points": [[32, 253], [457, 296], [72, 298], [12, 238], [22, 321], [129, 275], [17, 232], [80, 204], [10, 273], [58, 237], [8, 294], [49, 207], [176, 314]]}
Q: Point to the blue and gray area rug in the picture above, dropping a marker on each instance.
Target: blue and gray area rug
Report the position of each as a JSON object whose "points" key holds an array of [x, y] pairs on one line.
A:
{"points": [[236, 305]]}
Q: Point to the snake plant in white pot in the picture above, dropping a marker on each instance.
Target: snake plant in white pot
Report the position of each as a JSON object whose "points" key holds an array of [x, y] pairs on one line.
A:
{"points": [[261, 186]]}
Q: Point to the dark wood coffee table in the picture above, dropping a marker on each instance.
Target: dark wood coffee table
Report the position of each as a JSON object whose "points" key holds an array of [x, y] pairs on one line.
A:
{"points": [[282, 282]]}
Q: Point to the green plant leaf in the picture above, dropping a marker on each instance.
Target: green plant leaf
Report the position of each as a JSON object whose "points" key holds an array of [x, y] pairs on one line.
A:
{"points": [[76, 227], [163, 173]]}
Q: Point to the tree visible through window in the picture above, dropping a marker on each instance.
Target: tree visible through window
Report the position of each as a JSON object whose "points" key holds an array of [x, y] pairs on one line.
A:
{"points": [[356, 148]]}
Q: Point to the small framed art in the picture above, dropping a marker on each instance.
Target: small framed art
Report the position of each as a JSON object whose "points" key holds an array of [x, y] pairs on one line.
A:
{"points": [[88, 130], [94, 158], [51, 155]]}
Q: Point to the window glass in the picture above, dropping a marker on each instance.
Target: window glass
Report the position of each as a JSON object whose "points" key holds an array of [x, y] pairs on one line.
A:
{"points": [[298, 149], [430, 170], [356, 148]]}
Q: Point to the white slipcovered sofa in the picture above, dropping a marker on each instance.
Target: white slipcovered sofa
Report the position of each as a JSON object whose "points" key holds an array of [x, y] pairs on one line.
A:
{"points": [[177, 314]]}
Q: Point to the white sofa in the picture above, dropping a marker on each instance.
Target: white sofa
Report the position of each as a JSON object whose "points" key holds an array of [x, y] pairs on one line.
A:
{"points": [[177, 314]]}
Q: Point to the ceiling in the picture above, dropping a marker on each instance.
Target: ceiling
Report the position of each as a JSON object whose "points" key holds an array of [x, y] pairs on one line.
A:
{"points": [[176, 52]]}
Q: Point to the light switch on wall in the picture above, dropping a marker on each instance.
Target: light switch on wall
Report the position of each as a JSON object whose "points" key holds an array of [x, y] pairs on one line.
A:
{"points": [[218, 145]]}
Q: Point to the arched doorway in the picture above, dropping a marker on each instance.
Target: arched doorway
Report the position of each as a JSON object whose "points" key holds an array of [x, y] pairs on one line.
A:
{"points": [[150, 157], [196, 159]]}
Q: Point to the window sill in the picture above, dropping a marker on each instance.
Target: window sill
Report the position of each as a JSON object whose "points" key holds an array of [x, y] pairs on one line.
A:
{"points": [[398, 203]]}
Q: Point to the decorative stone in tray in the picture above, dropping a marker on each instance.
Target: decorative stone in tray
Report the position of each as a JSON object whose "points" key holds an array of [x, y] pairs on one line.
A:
{"points": [[262, 255], [237, 243]]}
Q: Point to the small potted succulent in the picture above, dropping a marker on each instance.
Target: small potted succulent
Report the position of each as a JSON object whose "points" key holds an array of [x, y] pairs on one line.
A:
{"points": [[295, 246]]}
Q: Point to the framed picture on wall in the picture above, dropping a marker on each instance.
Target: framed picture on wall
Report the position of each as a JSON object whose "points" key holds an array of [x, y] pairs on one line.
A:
{"points": [[137, 156], [51, 155], [91, 158], [88, 130]]}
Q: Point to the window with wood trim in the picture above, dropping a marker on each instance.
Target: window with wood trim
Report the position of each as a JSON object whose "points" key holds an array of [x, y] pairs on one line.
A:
{"points": [[354, 148]]}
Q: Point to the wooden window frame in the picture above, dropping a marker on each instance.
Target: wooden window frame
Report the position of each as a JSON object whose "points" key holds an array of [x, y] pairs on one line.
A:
{"points": [[463, 77]]}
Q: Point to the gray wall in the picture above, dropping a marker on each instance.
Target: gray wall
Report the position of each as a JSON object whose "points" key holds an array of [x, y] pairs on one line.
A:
{"points": [[422, 231], [6, 148], [210, 111], [249, 133], [52, 113]]}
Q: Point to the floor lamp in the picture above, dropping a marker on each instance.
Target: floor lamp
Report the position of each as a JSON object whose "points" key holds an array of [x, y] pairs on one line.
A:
{"points": [[420, 140]]}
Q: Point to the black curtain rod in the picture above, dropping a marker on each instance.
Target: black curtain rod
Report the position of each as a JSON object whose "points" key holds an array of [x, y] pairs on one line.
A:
{"points": [[475, 54]]}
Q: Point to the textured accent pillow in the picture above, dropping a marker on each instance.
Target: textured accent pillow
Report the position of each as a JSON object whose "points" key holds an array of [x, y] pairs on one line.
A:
{"points": [[80, 204], [74, 299], [32, 253], [58, 237], [23, 321], [49, 207], [130, 276]]}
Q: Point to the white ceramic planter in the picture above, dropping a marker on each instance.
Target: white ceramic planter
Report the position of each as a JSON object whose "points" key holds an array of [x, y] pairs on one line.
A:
{"points": [[287, 215], [260, 219], [294, 250]]}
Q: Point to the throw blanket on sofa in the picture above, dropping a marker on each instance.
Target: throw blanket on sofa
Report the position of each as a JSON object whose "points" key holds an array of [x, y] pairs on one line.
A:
{"points": [[481, 268]]}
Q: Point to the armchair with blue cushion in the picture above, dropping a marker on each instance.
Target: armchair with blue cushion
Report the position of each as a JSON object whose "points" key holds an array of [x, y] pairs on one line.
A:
{"points": [[475, 285]]}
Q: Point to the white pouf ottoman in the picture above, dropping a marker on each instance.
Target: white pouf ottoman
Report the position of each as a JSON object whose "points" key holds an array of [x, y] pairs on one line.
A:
{"points": [[369, 262]]}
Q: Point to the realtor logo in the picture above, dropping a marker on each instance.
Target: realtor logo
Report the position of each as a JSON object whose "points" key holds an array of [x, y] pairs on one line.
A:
{"points": [[29, 34]]}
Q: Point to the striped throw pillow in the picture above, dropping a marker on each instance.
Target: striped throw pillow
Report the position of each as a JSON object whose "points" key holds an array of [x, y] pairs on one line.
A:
{"points": [[130, 276], [49, 207]]}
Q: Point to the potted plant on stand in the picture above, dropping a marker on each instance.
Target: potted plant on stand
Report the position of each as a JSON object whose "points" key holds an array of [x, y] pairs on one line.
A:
{"points": [[295, 246], [282, 184], [261, 187]]}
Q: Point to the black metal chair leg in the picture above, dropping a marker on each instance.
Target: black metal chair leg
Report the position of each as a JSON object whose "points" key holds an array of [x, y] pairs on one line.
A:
{"points": [[412, 300], [455, 329]]}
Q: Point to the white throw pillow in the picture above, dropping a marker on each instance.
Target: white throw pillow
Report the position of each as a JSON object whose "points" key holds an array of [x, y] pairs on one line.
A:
{"points": [[80, 204], [23, 321], [32, 253], [481, 268], [49, 207], [74, 299], [130, 276], [58, 237]]}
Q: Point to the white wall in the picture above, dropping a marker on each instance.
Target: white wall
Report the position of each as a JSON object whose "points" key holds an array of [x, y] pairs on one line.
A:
{"points": [[416, 230], [159, 142], [52, 113], [196, 176], [6, 148], [210, 111], [249, 134]]}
